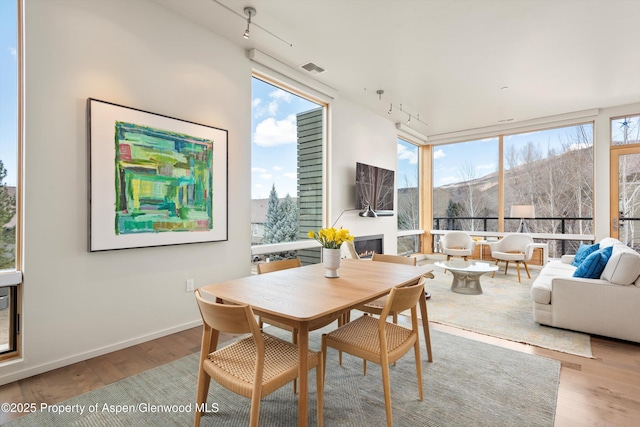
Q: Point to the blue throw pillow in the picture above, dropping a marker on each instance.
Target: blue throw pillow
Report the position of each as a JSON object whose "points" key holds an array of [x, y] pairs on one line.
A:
{"points": [[583, 252], [592, 266]]}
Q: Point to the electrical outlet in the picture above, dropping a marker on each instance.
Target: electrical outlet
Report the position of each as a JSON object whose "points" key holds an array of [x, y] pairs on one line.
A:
{"points": [[190, 285]]}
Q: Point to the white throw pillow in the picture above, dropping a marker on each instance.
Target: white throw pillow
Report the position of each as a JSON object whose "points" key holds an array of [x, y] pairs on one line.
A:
{"points": [[609, 241], [623, 268]]}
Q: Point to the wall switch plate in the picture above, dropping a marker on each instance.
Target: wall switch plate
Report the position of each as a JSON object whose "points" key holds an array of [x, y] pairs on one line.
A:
{"points": [[190, 285]]}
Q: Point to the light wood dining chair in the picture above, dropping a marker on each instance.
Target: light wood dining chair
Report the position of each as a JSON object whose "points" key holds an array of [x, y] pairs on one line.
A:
{"points": [[283, 264], [272, 266], [376, 306], [316, 324], [268, 267], [382, 342], [254, 366]]}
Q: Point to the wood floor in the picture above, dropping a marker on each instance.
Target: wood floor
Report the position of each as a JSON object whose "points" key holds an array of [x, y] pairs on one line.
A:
{"points": [[604, 391]]}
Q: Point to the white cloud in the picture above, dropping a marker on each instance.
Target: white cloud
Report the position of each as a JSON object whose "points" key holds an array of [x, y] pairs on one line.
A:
{"points": [[277, 168], [12, 51], [291, 175], [281, 95], [260, 170], [272, 108], [271, 132], [410, 155], [439, 154], [266, 176]]}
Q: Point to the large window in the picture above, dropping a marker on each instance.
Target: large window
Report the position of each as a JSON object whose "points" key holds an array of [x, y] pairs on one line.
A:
{"points": [[551, 170], [9, 55], [287, 167], [408, 197], [465, 185]]}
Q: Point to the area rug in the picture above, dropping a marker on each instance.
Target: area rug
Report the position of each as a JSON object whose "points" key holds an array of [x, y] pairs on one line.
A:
{"points": [[468, 383], [503, 310]]}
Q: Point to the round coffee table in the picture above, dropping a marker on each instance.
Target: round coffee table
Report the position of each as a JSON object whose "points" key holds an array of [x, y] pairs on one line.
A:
{"points": [[466, 275]]}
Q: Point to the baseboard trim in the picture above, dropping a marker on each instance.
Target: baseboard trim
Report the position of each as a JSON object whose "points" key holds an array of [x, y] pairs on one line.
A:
{"points": [[45, 367]]}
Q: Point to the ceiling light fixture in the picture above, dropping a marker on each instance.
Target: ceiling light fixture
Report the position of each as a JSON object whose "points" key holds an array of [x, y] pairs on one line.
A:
{"points": [[253, 13], [249, 11], [416, 118]]}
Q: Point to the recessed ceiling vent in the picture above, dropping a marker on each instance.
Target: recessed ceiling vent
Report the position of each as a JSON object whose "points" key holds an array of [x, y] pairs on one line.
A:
{"points": [[313, 68]]}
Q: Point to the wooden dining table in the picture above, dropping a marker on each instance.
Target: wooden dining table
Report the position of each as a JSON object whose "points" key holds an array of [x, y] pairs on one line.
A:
{"points": [[299, 296]]}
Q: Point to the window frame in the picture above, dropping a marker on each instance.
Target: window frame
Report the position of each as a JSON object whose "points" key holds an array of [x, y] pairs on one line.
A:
{"points": [[13, 277], [586, 119], [303, 91], [418, 232]]}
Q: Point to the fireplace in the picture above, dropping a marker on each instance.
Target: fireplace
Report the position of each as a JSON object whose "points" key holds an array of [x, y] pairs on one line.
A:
{"points": [[366, 245]]}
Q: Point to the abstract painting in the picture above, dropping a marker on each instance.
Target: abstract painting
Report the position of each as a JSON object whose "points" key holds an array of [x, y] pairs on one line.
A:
{"points": [[155, 180]]}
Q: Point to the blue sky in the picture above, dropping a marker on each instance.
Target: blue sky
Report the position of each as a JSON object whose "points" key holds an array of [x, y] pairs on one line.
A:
{"points": [[273, 139], [8, 112], [273, 142], [482, 155]]}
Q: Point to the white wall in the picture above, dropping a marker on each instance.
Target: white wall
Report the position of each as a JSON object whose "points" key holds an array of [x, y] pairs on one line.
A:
{"points": [[78, 304], [359, 136]]}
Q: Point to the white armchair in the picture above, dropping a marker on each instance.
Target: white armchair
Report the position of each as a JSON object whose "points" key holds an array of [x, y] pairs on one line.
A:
{"points": [[513, 247], [457, 243]]}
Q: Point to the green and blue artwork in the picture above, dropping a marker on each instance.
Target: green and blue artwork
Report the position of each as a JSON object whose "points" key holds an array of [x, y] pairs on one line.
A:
{"points": [[163, 181]]}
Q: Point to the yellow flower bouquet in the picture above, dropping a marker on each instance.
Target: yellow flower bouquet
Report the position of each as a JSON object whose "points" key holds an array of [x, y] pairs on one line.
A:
{"points": [[331, 238]]}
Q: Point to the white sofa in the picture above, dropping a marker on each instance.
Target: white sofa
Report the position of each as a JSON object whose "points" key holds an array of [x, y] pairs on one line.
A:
{"points": [[608, 306]]}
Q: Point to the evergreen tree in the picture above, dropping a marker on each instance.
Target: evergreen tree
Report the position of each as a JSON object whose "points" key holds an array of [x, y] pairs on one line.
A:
{"points": [[288, 227], [281, 223], [454, 210], [7, 235], [272, 217]]}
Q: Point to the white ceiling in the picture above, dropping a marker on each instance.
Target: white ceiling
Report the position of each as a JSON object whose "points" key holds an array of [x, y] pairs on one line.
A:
{"points": [[448, 60]]}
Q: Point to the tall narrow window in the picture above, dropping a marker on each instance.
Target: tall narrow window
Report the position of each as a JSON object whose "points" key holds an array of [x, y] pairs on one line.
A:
{"points": [[8, 173], [625, 187], [287, 167], [408, 197]]}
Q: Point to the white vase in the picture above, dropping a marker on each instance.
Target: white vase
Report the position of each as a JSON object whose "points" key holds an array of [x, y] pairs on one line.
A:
{"points": [[331, 262]]}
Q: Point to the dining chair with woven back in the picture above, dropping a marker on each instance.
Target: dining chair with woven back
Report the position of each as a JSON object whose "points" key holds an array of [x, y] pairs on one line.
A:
{"points": [[282, 264], [382, 342], [313, 325], [253, 366], [285, 264], [376, 306]]}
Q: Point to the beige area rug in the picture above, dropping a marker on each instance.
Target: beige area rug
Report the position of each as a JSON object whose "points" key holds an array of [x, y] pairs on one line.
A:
{"points": [[503, 310]]}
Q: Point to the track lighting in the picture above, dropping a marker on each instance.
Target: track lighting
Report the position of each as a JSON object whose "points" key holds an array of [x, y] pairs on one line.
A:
{"points": [[249, 11], [415, 118]]}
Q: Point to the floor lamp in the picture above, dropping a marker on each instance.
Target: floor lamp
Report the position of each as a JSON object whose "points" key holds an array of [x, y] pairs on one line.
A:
{"points": [[522, 212]]}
